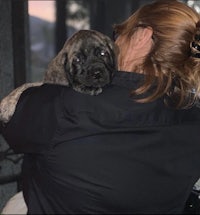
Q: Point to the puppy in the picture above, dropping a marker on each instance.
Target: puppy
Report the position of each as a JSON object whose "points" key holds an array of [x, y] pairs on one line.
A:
{"points": [[87, 63]]}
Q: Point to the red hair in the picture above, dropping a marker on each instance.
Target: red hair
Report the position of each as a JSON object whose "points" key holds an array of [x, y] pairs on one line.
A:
{"points": [[169, 63]]}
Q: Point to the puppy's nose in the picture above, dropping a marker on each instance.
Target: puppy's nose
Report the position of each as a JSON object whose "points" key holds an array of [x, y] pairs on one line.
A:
{"points": [[97, 74]]}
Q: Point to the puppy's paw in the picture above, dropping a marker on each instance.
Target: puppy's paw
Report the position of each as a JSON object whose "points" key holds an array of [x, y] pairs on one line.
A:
{"points": [[8, 104], [88, 90], [95, 91]]}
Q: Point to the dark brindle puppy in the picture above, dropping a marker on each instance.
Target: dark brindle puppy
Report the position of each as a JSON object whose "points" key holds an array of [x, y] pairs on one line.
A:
{"points": [[86, 63]]}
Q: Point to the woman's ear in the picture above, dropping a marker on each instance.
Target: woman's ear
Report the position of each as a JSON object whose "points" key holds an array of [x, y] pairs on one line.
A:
{"points": [[134, 49], [142, 37]]}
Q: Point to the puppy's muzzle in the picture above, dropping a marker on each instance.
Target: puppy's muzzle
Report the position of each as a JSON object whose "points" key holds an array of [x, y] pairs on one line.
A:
{"points": [[99, 74]]}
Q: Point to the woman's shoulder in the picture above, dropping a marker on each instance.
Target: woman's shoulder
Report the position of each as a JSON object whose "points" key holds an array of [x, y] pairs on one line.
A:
{"points": [[47, 90], [35, 99]]}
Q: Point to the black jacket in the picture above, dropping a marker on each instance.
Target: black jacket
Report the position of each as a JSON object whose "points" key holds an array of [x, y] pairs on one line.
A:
{"points": [[104, 154]]}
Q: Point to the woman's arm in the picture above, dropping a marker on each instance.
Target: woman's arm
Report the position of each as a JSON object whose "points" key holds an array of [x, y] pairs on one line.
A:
{"points": [[8, 104]]}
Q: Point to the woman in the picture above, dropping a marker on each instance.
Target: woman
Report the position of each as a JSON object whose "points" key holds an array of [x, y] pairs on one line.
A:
{"points": [[162, 41], [132, 149]]}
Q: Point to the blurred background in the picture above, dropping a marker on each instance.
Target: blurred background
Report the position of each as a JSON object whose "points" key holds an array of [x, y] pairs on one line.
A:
{"points": [[31, 34], [52, 22]]}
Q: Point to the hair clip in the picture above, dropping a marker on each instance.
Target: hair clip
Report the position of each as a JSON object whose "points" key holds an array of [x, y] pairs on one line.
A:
{"points": [[197, 37], [195, 55], [196, 46]]}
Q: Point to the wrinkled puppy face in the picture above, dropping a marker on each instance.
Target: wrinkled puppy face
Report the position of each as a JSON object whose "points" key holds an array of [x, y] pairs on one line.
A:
{"points": [[91, 61]]}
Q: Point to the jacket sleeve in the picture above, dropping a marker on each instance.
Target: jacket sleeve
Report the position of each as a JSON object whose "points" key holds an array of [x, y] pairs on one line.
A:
{"points": [[34, 122]]}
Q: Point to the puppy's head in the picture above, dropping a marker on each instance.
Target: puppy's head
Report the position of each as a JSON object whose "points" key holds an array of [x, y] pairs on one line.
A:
{"points": [[88, 61], [91, 61]]}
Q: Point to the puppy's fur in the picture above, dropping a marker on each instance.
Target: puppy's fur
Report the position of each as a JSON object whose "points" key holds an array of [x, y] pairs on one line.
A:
{"points": [[86, 63]]}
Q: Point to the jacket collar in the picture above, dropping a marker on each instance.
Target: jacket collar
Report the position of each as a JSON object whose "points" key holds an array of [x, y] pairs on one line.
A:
{"points": [[129, 80]]}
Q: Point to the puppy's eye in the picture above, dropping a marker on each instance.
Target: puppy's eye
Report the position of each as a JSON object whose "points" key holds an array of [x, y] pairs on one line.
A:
{"points": [[78, 59], [100, 52]]}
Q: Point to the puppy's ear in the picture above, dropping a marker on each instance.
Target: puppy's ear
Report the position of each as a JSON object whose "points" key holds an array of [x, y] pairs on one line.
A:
{"points": [[56, 71]]}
